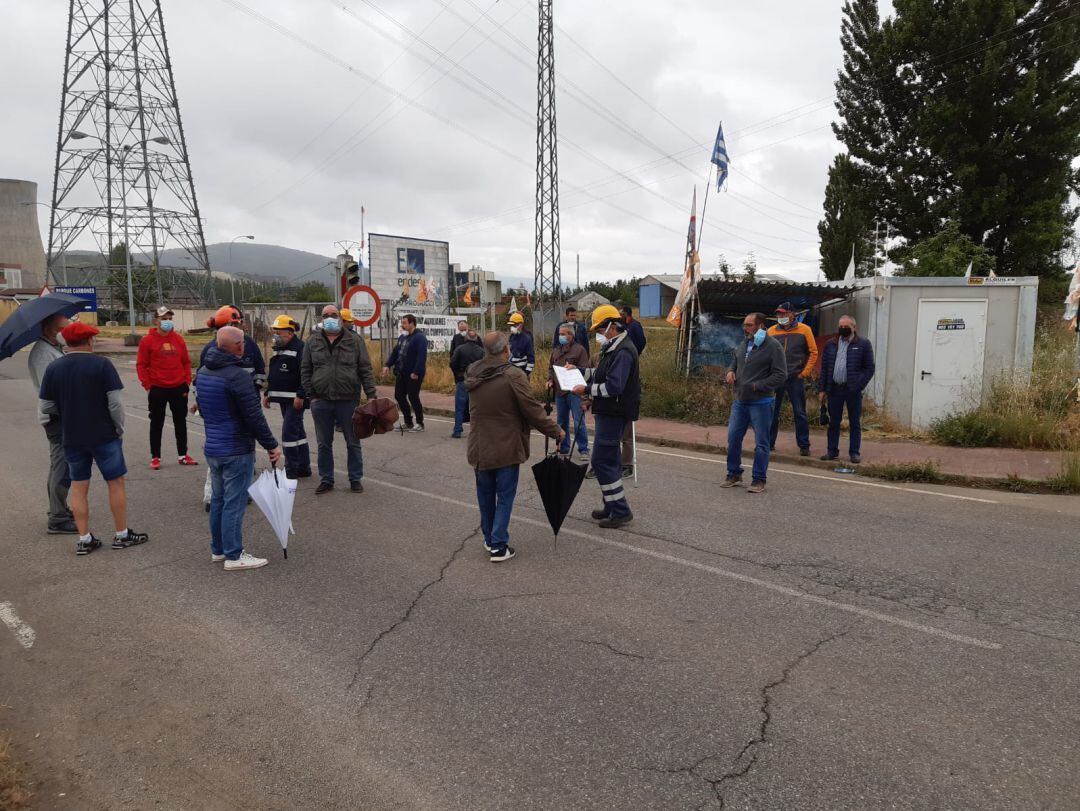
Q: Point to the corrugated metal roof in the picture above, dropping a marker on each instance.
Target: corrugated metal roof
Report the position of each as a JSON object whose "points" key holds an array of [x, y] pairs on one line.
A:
{"points": [[738, 296]]}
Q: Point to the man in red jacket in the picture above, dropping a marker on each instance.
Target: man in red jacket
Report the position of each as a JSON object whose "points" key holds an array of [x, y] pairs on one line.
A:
{"points": [[164, 368]]}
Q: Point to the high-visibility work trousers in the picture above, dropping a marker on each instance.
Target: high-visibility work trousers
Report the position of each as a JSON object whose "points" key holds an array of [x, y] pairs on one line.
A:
{"points": [[607, 463], [294, 440]]}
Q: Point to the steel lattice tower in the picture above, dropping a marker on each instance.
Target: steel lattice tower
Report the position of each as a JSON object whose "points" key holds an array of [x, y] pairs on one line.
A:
{"points": [[548, 268], [121, 147]]}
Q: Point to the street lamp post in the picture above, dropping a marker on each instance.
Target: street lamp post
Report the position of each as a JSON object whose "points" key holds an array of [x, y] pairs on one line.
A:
{"points": [[124, 151], [232, 274]]}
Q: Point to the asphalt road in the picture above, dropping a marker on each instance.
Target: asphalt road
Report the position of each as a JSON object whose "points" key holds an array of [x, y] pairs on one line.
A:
{"points": [[834, 643]]}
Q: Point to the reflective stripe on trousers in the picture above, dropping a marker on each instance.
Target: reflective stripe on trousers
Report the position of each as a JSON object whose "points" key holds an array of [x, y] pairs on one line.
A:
{"points": [[607, 462]]}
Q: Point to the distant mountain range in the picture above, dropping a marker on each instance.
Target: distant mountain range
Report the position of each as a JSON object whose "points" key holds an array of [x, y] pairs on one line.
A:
{"points": [[248, 259]]}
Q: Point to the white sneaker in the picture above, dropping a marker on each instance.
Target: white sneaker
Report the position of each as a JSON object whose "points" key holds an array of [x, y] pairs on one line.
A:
{"points": [[216, 558], [245, 561]]}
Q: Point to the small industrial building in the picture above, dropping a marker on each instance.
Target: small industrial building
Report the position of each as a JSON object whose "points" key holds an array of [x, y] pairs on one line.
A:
{"points": [[939, 342], [585, 302]]}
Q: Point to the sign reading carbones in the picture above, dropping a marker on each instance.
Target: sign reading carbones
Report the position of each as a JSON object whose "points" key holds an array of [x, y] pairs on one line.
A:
{"points": [[439, 329], [87, 293]]}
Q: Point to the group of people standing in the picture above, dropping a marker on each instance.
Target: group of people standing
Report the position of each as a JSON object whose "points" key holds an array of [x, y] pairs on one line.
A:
{"points": [[771, 364]]}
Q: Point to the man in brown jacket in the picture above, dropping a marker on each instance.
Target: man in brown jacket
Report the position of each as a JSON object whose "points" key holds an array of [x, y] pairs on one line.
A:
{"points": [[503, 412], [567, 404]]}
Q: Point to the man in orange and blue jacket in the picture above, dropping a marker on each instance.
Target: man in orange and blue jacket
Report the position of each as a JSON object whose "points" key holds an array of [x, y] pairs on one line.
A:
{"points": [[800, 352]]}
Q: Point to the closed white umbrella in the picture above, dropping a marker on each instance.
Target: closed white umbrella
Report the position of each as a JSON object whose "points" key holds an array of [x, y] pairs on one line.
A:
{"points": [[275, 496]]}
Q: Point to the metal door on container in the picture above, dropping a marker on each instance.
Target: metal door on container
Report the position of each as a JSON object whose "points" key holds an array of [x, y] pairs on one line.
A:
{"points": [[949, 350]]}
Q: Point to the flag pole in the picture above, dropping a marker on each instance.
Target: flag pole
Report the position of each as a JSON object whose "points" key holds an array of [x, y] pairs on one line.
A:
{"points": [[694, 308]]}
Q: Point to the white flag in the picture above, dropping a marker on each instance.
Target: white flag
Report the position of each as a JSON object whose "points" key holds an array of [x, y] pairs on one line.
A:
{"points": [[849, 274], [1072, 301], [967, 273], [513, 304]]}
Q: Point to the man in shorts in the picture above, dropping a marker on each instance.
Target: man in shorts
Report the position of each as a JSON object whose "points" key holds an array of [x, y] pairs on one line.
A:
{"points": [[83, 390]]}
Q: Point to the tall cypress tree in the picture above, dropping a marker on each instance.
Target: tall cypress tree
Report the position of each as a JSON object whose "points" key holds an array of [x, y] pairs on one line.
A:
{"points": [[847, 220], [967, 112]]}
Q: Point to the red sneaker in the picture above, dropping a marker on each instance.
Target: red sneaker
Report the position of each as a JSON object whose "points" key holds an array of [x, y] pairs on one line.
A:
{"points": [[187, 460], [155, 464]]}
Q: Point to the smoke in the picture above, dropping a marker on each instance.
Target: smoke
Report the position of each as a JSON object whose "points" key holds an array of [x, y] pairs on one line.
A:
{"points": [[716, 340]]}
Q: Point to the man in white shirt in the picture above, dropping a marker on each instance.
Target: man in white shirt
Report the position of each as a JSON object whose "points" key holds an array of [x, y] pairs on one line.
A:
{"points": [[47, 349]]}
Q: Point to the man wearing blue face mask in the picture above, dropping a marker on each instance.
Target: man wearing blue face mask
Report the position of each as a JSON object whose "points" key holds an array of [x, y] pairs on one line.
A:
{"points": [[757, 371], [164, 368], [335, 371]]}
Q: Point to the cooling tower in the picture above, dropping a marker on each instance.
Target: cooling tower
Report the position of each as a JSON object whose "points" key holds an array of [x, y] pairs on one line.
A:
{"points": [[21, 253]]}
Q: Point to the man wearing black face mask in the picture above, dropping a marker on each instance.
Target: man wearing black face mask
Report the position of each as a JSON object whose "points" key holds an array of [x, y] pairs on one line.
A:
{"points": [[847, 366], [757, 371]]}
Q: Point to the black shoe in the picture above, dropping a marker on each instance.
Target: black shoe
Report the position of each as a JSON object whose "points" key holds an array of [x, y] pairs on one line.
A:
{"points": [[63, 528], [455, 436], [628, 471], [855, 458], [829, 457], [324, 487], [590, 474], [804, 451], [599, 515], [131, 539], [86, 547], [756, 486], [206, 506], [731, 481], [503, 553], [356, 486], [616, 521]]}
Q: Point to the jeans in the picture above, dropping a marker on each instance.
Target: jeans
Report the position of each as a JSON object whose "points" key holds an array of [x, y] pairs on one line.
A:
{"points": [[59, 478], [176, 400], [294, 440], [326, 414], [461, 407], [230, 477], [841, 397], [407, 394], [743, 415], [568, 406], [495, 492], [109, 458], [795, 389]]}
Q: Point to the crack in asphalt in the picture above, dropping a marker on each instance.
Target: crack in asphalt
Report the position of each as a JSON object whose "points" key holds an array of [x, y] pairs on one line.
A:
{"points": [[514, 595], [405, 617], [747, 758], [613, 649]]}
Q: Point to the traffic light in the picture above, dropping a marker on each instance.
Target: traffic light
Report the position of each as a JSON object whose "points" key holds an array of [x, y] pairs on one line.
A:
{"points": [[352, 272]]}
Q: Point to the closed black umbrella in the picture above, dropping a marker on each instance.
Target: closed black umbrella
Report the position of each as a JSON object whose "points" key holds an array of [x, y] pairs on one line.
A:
{"points": [[558, 481], [24, 325]]}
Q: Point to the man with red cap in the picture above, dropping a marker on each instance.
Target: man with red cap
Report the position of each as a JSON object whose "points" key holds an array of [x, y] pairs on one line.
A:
{"points": [[83, 390], [164, 368]]}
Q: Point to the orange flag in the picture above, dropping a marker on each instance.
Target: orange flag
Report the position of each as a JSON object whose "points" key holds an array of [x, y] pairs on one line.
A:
{"points": [[405, 288], [468, 295], [422, 296]]}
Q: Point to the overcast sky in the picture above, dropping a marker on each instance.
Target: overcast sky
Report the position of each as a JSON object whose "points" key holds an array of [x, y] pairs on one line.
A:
{"points": [[258, 108]]}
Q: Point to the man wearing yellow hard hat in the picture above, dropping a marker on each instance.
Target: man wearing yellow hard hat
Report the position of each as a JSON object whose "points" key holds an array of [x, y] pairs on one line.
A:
{"points": [[285, 388], [347, 319], [522, 354], [614, 384]]}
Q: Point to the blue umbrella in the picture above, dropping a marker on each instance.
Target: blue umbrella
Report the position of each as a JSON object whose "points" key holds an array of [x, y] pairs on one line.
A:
{"points": [[24, 325]]}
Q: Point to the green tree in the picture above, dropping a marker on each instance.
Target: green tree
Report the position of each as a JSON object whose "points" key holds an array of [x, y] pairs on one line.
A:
{"points": [[947, 253], [967, 112], [750, 267], [723, 267], [847, 220], [316, 292]]}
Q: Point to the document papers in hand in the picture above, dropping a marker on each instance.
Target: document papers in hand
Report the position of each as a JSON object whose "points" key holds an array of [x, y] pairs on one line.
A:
{"points": [[569, 379]]}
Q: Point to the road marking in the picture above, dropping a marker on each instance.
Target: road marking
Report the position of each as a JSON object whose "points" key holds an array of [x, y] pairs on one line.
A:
{"points": [[789, 591], [24, 634], [774, 469]]}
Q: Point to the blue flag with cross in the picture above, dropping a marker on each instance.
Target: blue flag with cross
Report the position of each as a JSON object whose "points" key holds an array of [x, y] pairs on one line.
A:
{"points": [[720, 157]]}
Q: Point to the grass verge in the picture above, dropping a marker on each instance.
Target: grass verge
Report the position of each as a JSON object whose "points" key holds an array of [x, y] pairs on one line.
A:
{"points": [[13, 792]]}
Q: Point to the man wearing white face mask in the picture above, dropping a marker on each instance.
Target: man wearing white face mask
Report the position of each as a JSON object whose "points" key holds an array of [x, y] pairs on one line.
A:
{"points": [[757, 371], [164, 368], [336, 369]]}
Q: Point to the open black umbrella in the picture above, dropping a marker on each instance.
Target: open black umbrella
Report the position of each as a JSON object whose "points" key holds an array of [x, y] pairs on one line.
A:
{"points": [[24, 325]]}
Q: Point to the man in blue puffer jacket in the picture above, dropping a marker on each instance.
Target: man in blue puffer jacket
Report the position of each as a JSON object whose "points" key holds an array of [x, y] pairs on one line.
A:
{"points": [[233, 420]]}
